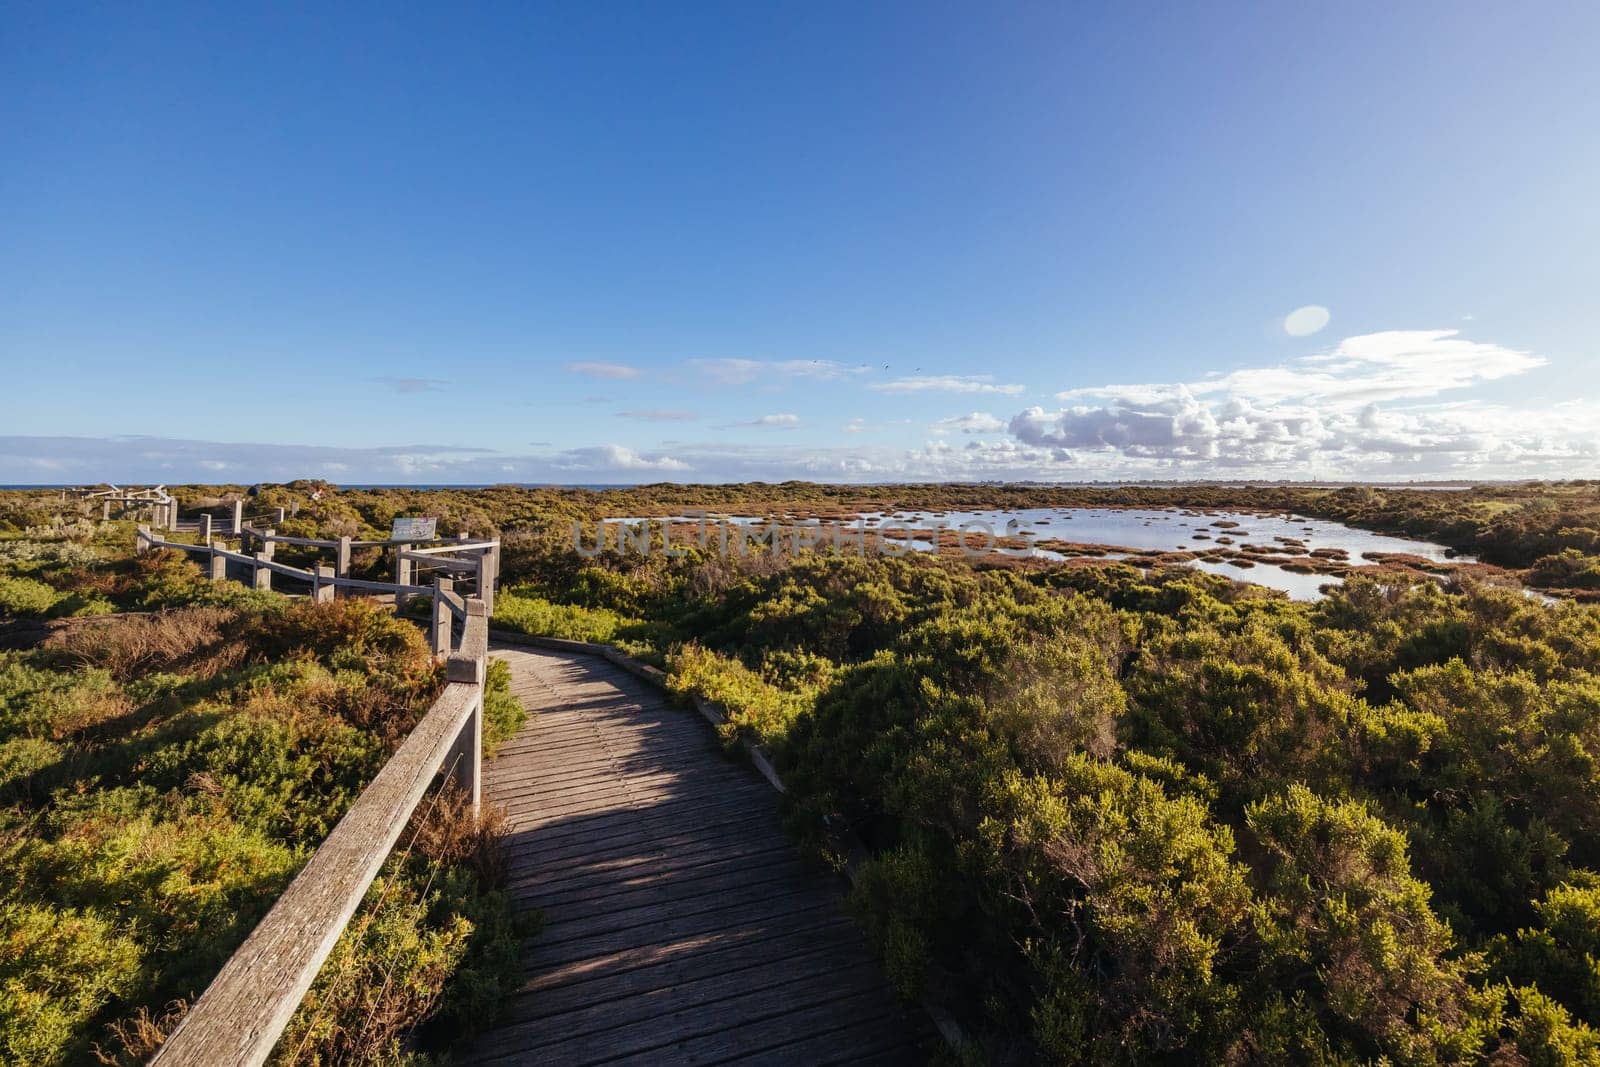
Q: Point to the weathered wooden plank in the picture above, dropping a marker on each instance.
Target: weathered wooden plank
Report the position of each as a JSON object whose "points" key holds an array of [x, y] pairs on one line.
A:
{"points": [[637, 871], [598, 794], [590, 1034], [596, 737], [564, 857], [868, 1044], [600, 770], [679, 923], [596, 827], [242, 1012], [619, 760], [530, 815], [578, 715], [542, 951], [362, 585], [675, 900], [780, 1022], [721, 956], [468, 662], [589, 969], [681, 1036], [627, 828], [449, 546]]}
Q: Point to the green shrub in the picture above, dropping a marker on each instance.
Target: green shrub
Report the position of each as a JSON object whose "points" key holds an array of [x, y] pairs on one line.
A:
{"points": [[1567, 569], [24, 598], [751, 703], [503, 714], [167, 775], [526, 613], [61, 967]]}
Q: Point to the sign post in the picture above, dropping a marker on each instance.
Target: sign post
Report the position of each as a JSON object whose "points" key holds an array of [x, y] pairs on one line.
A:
{"points": [[413, 529]]}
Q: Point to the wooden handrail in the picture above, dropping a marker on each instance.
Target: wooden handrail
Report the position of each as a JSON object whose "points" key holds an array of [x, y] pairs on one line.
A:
{"points": [[378, 587], [469, 661], [452, 546], [441, 562], [145, 539], [444, 544], [245, 1009], [282, 539], [454, 602]]}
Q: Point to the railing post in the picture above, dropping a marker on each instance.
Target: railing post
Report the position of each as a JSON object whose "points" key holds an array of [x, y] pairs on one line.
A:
{"points": [[141, 539], [322, 585], [172, 513], [238, 517], [443, 617], [486, 568], [402, 575], [470, 664], [280, 517], [205, 527], [219, 565], [341, 563], [263, 574], [469, 771], [266, 545], [105, 511]]}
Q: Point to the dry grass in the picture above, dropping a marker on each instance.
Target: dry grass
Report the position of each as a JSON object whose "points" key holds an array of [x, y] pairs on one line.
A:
{"points": [[380, 980], [449, 835], [194, 639], [720, 573], [92, 708], [139, 1035]]}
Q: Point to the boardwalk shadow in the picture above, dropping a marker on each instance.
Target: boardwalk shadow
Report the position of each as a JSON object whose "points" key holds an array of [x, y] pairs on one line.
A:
{"points": [[680, 925]]}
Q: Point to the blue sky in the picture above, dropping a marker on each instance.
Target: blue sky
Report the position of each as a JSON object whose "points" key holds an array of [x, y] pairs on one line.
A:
{"points": [[612, 242]]}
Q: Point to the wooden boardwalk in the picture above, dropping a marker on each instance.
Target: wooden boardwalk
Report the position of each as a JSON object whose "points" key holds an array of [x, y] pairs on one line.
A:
{"points": [[680, 926]]}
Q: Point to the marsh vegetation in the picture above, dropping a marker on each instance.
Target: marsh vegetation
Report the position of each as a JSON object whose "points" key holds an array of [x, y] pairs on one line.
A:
{"points": [[171, 752], [1110, 813]]}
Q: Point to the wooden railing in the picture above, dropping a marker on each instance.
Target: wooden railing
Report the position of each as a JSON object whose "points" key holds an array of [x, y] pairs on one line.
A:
{"points": [[163, 506], [241, 1015], [477, 560]]}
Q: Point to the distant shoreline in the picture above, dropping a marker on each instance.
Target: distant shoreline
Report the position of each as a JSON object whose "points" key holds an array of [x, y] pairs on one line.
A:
{"points": [[599, 486]]}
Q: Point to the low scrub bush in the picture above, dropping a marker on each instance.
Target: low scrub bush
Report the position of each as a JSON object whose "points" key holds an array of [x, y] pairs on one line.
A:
{"points": [[163, 777], [527, 613], [1568, 569]]}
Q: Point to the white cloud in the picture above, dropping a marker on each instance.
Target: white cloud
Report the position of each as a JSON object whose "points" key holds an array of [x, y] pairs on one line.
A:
{"points": [[1396, 405], [1394, 365], [1303, 322], [975, 422], [1326, 409], [609, 371], [659, 415], [783, 421], [947, 383], [602, 458], [747, 371]]}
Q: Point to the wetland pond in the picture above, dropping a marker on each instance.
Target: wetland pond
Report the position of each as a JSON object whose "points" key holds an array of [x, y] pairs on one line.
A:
{"points": [[1163, 530], [1118, 533]]}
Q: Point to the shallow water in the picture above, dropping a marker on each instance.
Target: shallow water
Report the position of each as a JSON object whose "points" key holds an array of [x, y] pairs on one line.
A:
{"points": [[1298, 586], [1173, 531], [1149, 529]]}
